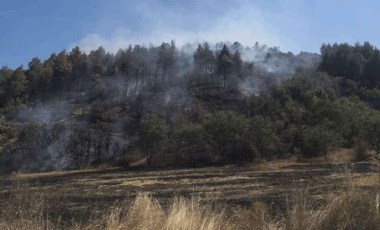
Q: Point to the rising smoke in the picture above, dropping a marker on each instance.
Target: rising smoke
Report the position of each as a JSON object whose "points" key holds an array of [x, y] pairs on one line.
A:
{"points": [[95, 124]]}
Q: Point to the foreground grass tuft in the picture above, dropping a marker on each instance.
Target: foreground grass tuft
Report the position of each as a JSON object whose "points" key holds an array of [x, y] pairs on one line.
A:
{"points": [[146, 213], [351, 210]]}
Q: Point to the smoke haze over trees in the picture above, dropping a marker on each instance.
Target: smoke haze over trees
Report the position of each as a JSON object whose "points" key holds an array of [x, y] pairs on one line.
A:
{"points": [[191, 105]]}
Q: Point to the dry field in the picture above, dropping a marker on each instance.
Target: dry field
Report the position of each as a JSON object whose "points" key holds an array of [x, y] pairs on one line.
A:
{"points": [[74, 196]]}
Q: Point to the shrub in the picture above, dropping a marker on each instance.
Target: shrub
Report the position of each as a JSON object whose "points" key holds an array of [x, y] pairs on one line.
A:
{"points": [[372, 133], [262, 134], [153, 131], [360, 150], [132, 156], [227, 133], [190, 138], [318, 140], [37, 148]]}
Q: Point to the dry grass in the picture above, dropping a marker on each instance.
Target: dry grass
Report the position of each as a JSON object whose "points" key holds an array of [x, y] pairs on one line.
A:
{"points": [[341, 156], [277, 165], [351, 210], [255, 217], [355, 205], [147, 213], [360, 180], [21, 175], [24, 211]]}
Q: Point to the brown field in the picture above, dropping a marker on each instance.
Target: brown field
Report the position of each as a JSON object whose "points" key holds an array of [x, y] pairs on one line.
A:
{"points": [[77, 195]]}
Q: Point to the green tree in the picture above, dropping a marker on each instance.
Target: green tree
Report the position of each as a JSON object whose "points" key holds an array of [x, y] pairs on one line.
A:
{"points": [[98, 60], [62, 71], [189, 138], [17, 83], [34, 75], [153, 132], [79, 62], [167, 58], [227, 132], [204, 61], [372, 69], [5, 75], [319, 139], [209, 61], [372, 133], [262, 134], [360, 63], [224, 64], [238, 63], [198, 61]]}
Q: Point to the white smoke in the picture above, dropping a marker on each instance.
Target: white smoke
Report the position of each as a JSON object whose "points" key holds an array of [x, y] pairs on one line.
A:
{"points": [[243, 23], [43, 113]]}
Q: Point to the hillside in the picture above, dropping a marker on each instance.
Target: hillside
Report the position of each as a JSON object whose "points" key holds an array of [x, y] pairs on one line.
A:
{"points": [[188, 106]]}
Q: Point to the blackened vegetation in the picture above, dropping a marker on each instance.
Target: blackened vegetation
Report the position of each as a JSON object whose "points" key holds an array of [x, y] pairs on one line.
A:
{"points": [[169, 106]]}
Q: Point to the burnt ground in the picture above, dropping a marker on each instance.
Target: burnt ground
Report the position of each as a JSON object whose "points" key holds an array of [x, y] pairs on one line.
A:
{"points": [[72, 194]]}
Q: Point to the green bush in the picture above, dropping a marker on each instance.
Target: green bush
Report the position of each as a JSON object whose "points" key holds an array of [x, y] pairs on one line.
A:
{"points": [[153, 132], [190, 139], [318, 140], [262, 135], [227, 133]]}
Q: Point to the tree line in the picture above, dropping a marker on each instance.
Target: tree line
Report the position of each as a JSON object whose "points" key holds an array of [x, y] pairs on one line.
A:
{"points": [[176, 106]]}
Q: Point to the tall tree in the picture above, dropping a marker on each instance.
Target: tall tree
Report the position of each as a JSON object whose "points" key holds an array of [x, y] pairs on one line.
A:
{"points": [[372, 69], [34, 75], [167, 60], [198, 61], [204, 61], [5, 75], [209, 59], [98, 59], [224, 64], [79, 63], [62, 71], [18, 83], [238, 63]]}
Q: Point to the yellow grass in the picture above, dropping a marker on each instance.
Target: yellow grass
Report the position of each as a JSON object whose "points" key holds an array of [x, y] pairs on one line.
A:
{"points": [[353, 206], [341, 156], [360, 180], [351, 210], [21, 175]]}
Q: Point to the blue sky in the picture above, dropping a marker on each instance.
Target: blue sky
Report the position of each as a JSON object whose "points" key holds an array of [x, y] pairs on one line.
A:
{"points": [[36, 28]]}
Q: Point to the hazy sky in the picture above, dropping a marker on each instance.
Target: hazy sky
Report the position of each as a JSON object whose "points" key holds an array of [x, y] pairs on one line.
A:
{"points": [[31, 28]]}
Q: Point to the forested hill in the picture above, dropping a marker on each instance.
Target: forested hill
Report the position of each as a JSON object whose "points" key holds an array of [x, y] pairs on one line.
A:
{"points": [[200, 104]]}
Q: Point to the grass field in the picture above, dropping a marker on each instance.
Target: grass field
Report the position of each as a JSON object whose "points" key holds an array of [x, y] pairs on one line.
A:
{"points": [[77, 196]]}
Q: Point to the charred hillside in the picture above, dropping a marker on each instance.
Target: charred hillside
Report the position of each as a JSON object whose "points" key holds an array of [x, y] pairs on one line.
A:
{"points": [[192, 105]]}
